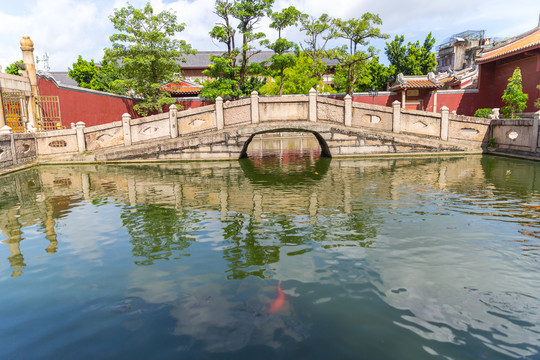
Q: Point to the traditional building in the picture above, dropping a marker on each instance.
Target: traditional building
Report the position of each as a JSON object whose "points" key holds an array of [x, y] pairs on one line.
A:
{"points": [[460, 50], [497, 66], [419, 92]]}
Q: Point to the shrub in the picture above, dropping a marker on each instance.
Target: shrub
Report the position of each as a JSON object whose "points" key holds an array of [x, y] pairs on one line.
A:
{"points": [[483, 113]]}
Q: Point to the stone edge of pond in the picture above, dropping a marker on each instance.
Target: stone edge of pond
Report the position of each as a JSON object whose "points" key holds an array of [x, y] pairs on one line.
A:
{"points": [[38, 162]]}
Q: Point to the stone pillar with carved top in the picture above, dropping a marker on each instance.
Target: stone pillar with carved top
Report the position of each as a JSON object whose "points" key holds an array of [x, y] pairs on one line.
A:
{"points": [[348, 110], [396, 116], [534, 133], [254, 107], [81, 143], [126, 128], [220, 121], [312, 105], [27, 48], [444, 123], [173, 121]]}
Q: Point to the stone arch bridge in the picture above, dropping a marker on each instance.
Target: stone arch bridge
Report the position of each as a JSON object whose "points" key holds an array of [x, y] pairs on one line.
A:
{"points": [[225, 129]]}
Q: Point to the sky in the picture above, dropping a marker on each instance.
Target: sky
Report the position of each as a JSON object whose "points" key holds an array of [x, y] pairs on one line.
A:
{"points": [[64, 29]]}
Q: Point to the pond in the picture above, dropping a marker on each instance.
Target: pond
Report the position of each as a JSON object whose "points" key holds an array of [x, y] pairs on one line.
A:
{"points": [[273, 257]]}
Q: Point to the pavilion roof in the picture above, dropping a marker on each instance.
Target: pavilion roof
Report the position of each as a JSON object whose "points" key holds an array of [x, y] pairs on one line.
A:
{"points": [[523, 42], [418, 82], [182, 87]]}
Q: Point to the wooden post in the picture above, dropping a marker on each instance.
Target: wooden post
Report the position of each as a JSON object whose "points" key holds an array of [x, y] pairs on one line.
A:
{"points": [[435, 101]]}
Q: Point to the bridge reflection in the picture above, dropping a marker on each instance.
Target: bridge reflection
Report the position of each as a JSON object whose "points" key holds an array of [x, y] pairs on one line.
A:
{"points": [[162, 205]]}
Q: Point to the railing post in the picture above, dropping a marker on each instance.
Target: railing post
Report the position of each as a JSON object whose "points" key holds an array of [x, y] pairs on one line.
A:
{"points": [[254, 107], [81, 143], [396, 116], [444, 123], [312, 105], [348, 110], [219, 113], [534, 134], [13, 148], [126, 119], [173, 122]]}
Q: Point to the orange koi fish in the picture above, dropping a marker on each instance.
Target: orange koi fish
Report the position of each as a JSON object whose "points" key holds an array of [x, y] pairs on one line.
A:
{"points": [[280, 300]]}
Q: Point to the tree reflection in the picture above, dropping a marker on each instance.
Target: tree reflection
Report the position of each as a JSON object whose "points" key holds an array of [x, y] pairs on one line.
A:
{"points": [[159, 232]]}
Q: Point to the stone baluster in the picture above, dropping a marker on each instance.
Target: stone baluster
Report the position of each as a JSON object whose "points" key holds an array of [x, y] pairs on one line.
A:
{"points": [[254, 107], [444, 123], [348, 110], [220, 121], [173, 121], [81, 143], [312, 105], [126, 127], [534, 133], [396, 116]]}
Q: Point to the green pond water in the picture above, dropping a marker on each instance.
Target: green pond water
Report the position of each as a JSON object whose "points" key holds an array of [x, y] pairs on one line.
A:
{"points": [[279, 257]]}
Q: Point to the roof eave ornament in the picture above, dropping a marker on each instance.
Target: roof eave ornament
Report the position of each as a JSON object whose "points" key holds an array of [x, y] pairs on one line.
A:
{"points": [[401, 80], [431, 77]]}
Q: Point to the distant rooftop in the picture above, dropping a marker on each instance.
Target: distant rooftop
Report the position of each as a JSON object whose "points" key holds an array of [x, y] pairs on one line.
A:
{"points": [[462, 36], [201, 60], [63, 78], [527, 41]]}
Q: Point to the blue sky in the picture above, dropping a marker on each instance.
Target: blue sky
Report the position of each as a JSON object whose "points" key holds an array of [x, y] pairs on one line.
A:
{"points": [[66, 28]]}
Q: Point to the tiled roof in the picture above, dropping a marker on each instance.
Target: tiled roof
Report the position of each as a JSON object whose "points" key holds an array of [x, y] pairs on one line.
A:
{"points": [[527, 41], [416, 82], [63, 78], [182, 88], [202, 59]]}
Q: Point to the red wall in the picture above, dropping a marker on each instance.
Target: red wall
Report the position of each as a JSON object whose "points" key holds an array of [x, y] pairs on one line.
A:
{"points": [[464, 103], [494, 75], [88, 106]]}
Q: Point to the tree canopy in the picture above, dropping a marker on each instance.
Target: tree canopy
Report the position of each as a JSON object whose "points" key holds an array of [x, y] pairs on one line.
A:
{"points": [[352, 60], [147, 52], [13, 68], [103, 77], [413, 58], [231, 72]]}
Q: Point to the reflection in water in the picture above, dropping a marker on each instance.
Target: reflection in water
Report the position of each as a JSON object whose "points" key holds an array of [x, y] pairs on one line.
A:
{"points": [[427, 256]]}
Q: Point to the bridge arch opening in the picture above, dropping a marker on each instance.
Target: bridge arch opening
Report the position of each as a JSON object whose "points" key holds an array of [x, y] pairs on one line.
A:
{"points": [[325, 150]]}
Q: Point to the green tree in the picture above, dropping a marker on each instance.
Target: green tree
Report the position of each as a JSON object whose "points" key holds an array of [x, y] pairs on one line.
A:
{"points": [[513, 95], [413, 58], [352, 60], [282, 57], [103, 77], [537, 102], [232, 73], [148, 53], [318, 32], [13, 68], [300, 78]]}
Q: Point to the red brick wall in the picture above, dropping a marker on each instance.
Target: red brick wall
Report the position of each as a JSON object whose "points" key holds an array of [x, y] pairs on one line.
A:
{"points": [[494, 76], [90, 107]]}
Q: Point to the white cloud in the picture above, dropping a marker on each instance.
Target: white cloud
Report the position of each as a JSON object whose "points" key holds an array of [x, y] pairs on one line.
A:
{"points": [[67, 28]]}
